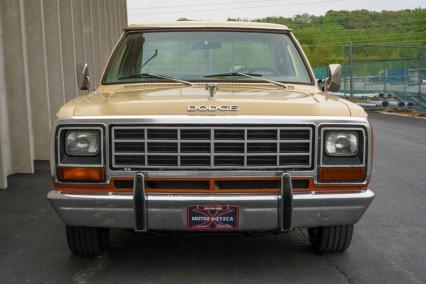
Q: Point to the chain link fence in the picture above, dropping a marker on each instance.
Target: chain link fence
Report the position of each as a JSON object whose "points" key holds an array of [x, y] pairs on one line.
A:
{"points": [[393, 74]]}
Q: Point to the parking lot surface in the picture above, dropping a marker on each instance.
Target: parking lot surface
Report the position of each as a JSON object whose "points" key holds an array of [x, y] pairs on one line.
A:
{"points": [[389, 244]]}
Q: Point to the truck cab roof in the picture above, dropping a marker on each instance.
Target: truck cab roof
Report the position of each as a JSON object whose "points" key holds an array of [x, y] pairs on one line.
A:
{"points": [[209, 24]]}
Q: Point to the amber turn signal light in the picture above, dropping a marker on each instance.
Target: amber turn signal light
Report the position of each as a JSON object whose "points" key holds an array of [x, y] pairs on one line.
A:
{"points": [[342, 174], [81, 174]]}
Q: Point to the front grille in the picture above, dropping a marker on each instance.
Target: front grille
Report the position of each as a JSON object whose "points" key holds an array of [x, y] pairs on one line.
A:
{"points": [[218, 147]]}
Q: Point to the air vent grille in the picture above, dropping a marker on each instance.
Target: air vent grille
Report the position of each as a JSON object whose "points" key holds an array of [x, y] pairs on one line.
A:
{"points": [[219, 147]]}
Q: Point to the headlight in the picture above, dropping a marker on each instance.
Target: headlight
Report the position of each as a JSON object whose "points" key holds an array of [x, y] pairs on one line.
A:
{"points": [[341, 143], [82, 143]]}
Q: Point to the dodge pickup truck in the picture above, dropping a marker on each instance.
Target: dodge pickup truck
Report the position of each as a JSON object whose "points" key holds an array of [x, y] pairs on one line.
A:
{"points": [[210, 128]]}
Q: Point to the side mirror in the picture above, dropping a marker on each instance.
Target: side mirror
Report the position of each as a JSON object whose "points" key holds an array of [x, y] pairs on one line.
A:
{"points": [[83, 78], [332, 83]]}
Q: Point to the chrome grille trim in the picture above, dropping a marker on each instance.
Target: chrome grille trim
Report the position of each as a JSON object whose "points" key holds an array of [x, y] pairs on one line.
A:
{"points": [[246, 163]]}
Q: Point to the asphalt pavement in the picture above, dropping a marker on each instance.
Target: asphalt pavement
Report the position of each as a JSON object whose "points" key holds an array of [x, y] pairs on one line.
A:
{"points": [[389, 244]]}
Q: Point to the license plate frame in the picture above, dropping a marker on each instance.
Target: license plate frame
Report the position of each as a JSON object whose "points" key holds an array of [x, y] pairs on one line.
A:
{"points": [[213, 217]]}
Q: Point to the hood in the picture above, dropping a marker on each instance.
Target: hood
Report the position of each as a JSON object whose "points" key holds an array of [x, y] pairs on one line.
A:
{"points": [[172, 100]]}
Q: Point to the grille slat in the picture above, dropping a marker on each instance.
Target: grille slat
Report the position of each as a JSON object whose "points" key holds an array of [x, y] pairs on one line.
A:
{"points": [[229, 134], [237, 161], [195, 160], [195, 134], [130, 160], [162, 134], [294, 147], [198, 147], [195, 147], [261, 160], [129, 134], [162, 147], [261, 147], [293, 160], [161, 160], [229, 148], [262, 134], [133, 147], [294, 135]]}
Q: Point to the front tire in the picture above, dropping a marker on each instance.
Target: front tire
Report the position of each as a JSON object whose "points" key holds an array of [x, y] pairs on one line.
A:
{"points": [[87, 241], [331, 238]]}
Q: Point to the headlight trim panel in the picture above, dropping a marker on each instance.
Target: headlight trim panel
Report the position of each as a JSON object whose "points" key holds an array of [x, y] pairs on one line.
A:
{"points": [[62, 159], [363, 145]]}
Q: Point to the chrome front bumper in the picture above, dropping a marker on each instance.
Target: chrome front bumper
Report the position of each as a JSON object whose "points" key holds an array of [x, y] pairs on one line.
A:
{"points": [[257, 212]]}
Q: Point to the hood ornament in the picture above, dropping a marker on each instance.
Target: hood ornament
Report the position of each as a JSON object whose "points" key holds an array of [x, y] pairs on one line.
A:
{"points": [[212, 88]]}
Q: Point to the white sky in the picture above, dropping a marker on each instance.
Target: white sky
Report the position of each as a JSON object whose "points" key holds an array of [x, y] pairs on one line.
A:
{"points": [[140, 11]]}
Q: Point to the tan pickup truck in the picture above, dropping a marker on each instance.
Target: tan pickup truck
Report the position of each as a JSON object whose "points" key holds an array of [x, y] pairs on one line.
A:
{"points": [[210, 128]]}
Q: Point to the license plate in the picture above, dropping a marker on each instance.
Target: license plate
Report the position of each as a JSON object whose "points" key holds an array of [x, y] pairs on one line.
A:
{"points": [[213, 217]]}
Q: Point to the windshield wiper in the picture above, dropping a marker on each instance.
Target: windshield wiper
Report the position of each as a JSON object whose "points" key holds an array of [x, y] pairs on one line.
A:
{"points": [[152, 57], [148, 75], [249, 75], [232, 74]]}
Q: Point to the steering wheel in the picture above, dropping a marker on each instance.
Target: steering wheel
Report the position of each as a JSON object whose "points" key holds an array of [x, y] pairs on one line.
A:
{"points": [[264, 70]]}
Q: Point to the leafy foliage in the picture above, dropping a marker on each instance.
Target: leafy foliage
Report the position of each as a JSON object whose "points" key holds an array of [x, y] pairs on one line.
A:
{"points": [[324, 37]]}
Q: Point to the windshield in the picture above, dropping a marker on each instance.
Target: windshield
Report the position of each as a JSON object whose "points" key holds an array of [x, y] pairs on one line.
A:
{"points": [[191, 56]]}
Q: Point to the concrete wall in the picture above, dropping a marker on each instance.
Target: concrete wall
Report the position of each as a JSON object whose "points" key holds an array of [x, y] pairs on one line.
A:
{"points": [[41, 41]]}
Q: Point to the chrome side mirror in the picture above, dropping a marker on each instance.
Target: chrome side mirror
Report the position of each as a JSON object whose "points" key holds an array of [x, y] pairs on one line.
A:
{"points": [[83, 78], [332, 83]]}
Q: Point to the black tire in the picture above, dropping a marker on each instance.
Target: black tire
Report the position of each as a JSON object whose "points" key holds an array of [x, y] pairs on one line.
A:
{"points": [[331, 239], [87, 241]]}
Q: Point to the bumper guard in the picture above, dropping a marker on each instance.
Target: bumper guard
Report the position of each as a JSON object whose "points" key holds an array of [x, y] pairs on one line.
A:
{"points": [[258, 212]]}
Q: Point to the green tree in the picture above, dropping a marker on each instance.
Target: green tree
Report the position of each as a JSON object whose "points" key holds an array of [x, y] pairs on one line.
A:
{"points": [[324, 37]]}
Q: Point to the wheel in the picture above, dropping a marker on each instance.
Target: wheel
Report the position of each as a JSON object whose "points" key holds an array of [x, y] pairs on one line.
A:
{"points": [[87, 241], [331, 239]]}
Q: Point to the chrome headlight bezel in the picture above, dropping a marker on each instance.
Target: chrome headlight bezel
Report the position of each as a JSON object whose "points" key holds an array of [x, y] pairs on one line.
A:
{"points": [[64, 158], [357, 160]]}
